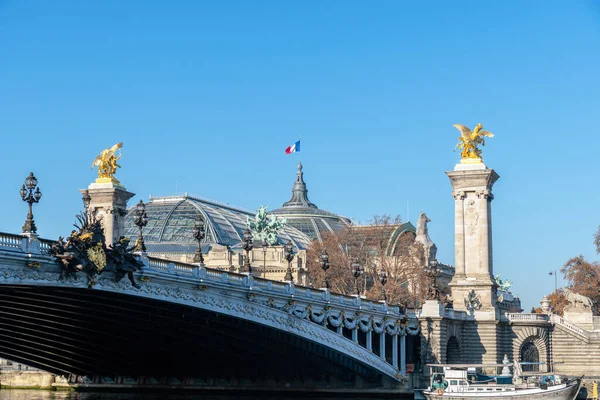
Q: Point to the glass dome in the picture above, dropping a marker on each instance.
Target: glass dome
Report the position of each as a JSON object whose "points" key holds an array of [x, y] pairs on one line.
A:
{"points": [[171, 220]]}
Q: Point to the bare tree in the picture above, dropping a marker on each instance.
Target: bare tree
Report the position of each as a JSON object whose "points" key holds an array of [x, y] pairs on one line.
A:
{"points": [[597, 240], [379, 248]]}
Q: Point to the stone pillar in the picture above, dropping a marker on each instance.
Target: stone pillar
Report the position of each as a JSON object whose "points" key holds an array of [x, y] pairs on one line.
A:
{"points": [[108, 200], [459, 233], [395, 351], [403, 354], [472, 191], [382, 345], [370, 340]]}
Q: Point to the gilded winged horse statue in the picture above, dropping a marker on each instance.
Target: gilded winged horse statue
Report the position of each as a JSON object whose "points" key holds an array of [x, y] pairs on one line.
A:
{"points": [[106, 161], [468, 141]]}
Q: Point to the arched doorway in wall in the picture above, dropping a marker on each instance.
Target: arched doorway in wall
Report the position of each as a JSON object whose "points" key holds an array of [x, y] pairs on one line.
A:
{"points": [[453, 351], [529, 353]]}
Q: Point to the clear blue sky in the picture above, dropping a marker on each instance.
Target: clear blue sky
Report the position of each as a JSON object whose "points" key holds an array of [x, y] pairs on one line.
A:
{"points": [[207, 95]]}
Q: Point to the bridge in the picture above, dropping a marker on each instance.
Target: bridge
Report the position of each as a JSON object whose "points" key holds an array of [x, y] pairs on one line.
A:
{"points": [[190, 325]]}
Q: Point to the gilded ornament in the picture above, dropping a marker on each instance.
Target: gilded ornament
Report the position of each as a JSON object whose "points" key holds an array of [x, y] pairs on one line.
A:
{"points": [[107, 165], [469, 141]]}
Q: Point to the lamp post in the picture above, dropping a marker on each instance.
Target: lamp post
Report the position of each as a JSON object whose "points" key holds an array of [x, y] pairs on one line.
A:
{"points": [[265, 246], [555, 279], [289, 256], [357, 271], [140, 219], [383, 279], [199, 233], [86, 200], [29, 196], [247, 245], [325, 266]]}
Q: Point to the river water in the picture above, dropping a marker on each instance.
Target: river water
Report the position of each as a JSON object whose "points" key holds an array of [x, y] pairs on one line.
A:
{"points": [[15, 394]]}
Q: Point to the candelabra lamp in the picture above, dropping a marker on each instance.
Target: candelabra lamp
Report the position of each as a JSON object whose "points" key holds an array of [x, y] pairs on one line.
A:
{"points": [[140, 219], [87, 199], [265, 246], [383, 280], [357, 270], [289, 256], [30, 194], [247, 245], [325, 266], [199, 233]]}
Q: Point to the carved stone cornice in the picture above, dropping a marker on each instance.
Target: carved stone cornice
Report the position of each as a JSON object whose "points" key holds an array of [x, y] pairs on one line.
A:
{"points": [[472, 180]]}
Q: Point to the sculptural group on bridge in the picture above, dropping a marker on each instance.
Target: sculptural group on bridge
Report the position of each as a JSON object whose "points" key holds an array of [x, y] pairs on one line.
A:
{"points": [[85, 251]]}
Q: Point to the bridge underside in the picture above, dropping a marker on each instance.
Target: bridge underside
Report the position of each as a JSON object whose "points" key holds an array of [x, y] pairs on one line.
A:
{"points": [[92, 332]]}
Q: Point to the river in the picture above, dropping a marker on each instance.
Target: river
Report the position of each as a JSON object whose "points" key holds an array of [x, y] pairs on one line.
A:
{"points": [[15, 394]]}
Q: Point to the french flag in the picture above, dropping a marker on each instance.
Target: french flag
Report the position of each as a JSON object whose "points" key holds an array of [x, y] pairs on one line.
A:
{"points": [[293, 148]]}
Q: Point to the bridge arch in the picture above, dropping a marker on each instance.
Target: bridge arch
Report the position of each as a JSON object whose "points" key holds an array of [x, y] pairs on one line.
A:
{"points": [[453, 353], [532, 345]]}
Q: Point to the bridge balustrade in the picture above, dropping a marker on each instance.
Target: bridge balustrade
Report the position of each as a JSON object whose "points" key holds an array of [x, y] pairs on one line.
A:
{"points": [[527, 317]]}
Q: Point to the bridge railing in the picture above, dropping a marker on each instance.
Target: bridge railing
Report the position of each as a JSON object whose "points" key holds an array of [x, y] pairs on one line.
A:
{"points": [[300, 292], [9, 241], [558, 320], [527, 317]]}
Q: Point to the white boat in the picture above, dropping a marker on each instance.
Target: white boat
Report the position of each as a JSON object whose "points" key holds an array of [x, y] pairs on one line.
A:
{"points": [[458, 382]]}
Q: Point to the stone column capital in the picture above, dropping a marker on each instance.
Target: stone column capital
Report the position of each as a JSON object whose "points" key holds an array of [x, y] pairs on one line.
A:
{"points": [[459, 194], [485, 194]]}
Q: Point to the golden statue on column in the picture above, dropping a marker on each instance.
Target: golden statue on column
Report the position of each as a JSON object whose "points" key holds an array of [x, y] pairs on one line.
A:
{"points": [[107, 165], [468, 143]]}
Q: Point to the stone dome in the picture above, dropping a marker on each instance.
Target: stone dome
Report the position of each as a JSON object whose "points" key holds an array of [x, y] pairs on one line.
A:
{"points": [[305, 216]]}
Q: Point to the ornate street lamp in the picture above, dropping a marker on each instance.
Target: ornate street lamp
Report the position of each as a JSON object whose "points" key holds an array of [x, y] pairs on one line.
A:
{"points": [[247, 245], [357, 271], [199, 233], [383, 279], [289, 256], [140, 219], [86, 199], [29, 196], [555, 279], [265, 246], [325, 266]]}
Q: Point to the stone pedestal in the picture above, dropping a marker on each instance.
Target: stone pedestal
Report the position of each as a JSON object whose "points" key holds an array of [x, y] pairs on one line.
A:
{"points": [[580, 316], [109, 202], [433, 309], [472, 192], [30, 243]]}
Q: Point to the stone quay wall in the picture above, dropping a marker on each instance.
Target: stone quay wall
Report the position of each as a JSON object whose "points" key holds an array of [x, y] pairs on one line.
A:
{"points": [[26, 380]]}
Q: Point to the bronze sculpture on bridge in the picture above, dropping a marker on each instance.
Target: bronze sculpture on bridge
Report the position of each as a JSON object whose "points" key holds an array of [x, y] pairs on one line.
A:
{"points": [[85, 251]]}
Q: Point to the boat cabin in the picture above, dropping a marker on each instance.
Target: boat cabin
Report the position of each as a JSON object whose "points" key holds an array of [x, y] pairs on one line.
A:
{"points": [[463, 378]]}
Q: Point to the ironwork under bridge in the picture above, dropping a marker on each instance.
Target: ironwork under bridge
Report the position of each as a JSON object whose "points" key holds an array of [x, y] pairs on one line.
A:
{"points": [[193, 325]]}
